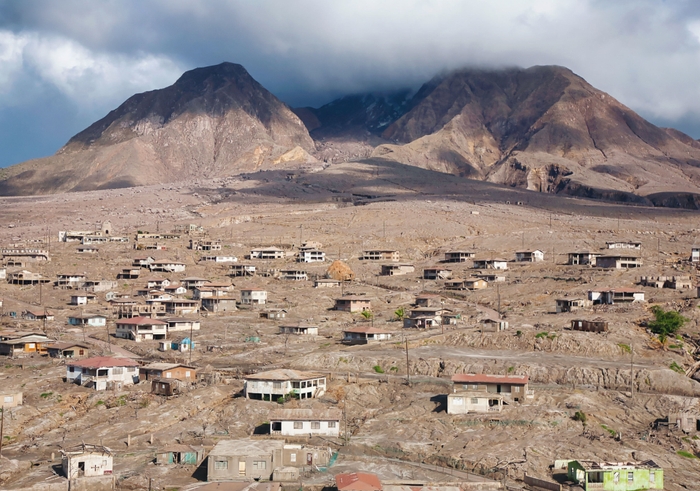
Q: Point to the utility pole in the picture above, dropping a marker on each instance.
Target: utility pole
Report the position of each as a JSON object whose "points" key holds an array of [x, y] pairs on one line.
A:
{"points": [[631, 371], [498, 292], [109, 342], [408, 371], [2, 426], [191, 339], [345, 418], [301, 234]]}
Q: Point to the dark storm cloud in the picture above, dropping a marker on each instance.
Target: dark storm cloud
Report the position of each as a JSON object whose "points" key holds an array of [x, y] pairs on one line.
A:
{"points": [[80, 58]]}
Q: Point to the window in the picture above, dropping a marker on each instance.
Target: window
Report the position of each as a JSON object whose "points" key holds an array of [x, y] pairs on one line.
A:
{"points": [[71, 369], [276, 385], [516, 388], [475, 400], [293, 457], [117, 371], [630, 477], [259, 465], [168, 375], [81, 352], [315, 425], [187, 374], [475, 386], [652, 476], [220, 465], [9, 399], [331, 424], [298, 425], [616, 477]]}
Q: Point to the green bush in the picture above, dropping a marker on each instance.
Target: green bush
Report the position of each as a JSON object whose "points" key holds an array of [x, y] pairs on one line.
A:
{"points": [[46, 395], [541, 335], [666, 322], [677, 368], [378, 369], [625, 347], [580, 416]]}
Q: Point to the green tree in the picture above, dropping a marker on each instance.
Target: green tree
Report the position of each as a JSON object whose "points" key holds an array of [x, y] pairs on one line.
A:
{"points": [[367, 314], [666, 322], [400, 313]]}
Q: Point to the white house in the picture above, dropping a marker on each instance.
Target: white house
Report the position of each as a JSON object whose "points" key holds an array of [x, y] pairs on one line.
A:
{"points": [[694, 257], [218, 259], [92, 320], [267, 253], [101, 372], [490, 264], [365, 335], [624, 244], [182, 324], [529, 256], [83, 298], [305, 422], [473, 402], [86, 460], [615, 295], [273, 384], [311, 256], [254, 296], [141, 329]]}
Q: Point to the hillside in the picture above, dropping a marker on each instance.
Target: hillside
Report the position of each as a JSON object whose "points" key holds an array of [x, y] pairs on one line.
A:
{"points": [[212, 121]]}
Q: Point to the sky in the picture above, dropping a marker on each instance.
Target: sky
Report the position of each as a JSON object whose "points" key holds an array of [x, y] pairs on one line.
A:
{"points": [[66, 63]]}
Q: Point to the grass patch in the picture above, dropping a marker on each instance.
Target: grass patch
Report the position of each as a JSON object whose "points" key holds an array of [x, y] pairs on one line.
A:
{"points": [[394, 369], [100, 403], [676, 368], [625, 347], [378, 369], [675, 346], [541, 335], [46, 395], [687, 455], [511, 369], [612, 432]]}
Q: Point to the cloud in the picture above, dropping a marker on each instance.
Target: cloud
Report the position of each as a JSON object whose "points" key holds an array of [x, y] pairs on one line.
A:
{"points": [[645, 53]]}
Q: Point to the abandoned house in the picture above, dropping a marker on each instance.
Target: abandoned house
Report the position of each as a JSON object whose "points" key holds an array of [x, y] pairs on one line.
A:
{"points": [[143, 262], [141, 329], [352, 303], [490, 264], [458, 256], [180, 306], [38, 255], [305, 422], [686, 421], [380, 255], [491, 277], [242, 270], [436, 274], [26, 278], [364, 335], [129, 274], [357, 481], [596, 325], [473, 402], [302, 330], [624, 244], [19, 344], [205, 245], [428, 300], [9, 400], [424, 317], [571, 304], [103, 372], [618, 261], [158, 283], [695, 254], [267, 253], [475, 284], [513, 387], [615, 295], [311, 256], [219, 304], [168, 370], [676, 282], [490, 324], [69, 280], [293, 275], [244, 460], [253, 296], [326, 283], [180, 454], [87, 250], [616, 476], [273, 384], [529, 256], [86, 460], [397, 269], [68, 350], [96, 286], [175, 289], [167, 386], [83, 298], [582, 258]]}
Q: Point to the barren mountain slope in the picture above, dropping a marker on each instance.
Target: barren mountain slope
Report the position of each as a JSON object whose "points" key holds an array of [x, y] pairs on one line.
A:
{"points": [[543, 128], [213, 121]]}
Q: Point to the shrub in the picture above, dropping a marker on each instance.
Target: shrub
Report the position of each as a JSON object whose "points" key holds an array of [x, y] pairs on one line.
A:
{"points": [[625, 347], [378, 369], [687, 455], [541, 335], [394, 369], [676, 368], [46, 395], [580, 416]]}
